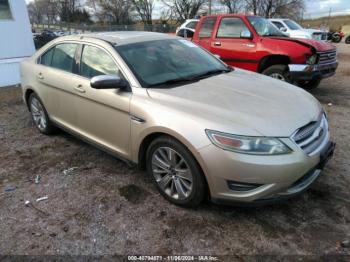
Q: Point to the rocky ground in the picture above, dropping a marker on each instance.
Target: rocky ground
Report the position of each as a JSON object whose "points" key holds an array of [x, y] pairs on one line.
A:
{"points": [[103, 207]]}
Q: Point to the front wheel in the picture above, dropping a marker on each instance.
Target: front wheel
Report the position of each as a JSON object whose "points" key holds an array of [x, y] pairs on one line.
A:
{"points": [[175, 172], [312, 84], [279, 72]]}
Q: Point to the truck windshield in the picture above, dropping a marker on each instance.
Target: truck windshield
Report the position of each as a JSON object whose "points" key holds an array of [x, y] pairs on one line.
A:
{"points": [[162, 63], [264, 27], [292, 25]]}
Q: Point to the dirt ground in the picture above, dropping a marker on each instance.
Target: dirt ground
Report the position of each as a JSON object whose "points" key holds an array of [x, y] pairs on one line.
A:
{"points": [[104, 207]]}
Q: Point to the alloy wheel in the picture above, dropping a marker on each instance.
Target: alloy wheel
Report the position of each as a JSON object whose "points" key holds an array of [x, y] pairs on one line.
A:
{"points": [[38, 114], [172, 173]]}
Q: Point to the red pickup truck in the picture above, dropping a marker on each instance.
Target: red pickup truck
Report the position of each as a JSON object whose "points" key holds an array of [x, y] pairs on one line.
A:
{"points": [[253, 43]]}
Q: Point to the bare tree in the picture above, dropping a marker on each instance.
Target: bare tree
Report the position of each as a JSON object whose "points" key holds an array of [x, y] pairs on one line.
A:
{"points": [[114, 11], [253, 6], [272, 8], [234, 6], [42, 11], [144, 9], [184, 9]]}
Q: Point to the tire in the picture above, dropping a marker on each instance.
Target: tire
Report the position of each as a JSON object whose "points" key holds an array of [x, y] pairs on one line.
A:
{"points": [[347, 40], [39, 115], [336, 38], [309, 84], [279, 72], [186, 189]]}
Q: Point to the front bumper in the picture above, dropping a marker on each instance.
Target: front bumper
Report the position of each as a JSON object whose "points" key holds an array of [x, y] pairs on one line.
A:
{"points": [[275, 177], [312, 72]]}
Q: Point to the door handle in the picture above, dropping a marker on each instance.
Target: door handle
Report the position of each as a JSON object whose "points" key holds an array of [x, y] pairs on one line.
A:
{"points": [[249, 45], [217, 43], [79, 89], [40, 76]]}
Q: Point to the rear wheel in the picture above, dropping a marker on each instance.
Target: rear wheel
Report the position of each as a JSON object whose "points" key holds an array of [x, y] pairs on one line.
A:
{"points": [[312, 84], [279, 72], [40, 116], [175, 172]]}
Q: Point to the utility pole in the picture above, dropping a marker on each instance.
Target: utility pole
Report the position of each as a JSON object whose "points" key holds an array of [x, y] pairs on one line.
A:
{"points": [[209, 12], [329, 16]]}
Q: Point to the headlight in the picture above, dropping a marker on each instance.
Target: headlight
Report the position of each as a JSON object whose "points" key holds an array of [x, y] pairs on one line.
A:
{"points": [[311, 60], [248, 144]]}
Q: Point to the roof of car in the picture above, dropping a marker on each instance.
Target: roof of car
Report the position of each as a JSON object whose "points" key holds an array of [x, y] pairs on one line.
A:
{"points": [[124, 37]]}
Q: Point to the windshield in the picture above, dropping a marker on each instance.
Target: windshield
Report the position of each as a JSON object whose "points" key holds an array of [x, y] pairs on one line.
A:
{"points": [[264, 27], [292, 25], [165, 62]]}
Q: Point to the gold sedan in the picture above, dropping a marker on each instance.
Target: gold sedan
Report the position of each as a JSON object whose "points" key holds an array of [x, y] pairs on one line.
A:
{"points": [[201, 128]]}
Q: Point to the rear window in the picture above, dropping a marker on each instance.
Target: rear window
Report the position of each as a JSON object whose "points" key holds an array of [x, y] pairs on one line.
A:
{"points": [[46, 58], [207, 27], [63, 57]]}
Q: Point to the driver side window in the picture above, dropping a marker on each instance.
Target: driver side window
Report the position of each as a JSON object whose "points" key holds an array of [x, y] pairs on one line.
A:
{"points": [[96, 62], [231, 27]]}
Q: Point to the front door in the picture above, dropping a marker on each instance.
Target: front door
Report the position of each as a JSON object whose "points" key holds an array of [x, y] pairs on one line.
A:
{"points": [[235, 45], [103, 115]]}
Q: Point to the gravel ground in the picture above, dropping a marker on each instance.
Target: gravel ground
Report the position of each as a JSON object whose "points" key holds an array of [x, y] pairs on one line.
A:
{"points": [[104, 207]]}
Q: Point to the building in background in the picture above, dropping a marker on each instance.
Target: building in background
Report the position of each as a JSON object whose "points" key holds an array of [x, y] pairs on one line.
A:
{"points": [[16, 40]]}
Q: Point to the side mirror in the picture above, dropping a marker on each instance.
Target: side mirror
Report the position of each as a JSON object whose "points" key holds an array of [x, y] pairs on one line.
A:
{"points": [[109, 82], [283, 29], [246, 34]]}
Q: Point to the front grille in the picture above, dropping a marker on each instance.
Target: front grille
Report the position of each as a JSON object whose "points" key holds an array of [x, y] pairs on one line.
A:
{"points": [[327, 57], [311, 136]]}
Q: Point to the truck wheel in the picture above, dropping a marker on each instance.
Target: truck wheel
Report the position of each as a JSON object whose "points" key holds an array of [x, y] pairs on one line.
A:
{"points": [[336, 38], [279, 72], [309, 84], [347, 40]]}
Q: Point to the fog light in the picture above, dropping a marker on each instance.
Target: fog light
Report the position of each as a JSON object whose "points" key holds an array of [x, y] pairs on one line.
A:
{"points": [[238, 186]]}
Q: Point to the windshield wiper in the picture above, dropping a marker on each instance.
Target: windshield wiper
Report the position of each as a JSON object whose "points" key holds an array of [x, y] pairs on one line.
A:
{"points": [[174, 81], [213, 72], [194, 78], [275, 35]]}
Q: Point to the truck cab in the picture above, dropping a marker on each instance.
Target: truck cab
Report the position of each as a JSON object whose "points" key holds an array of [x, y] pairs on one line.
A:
{"points": [[253, 43]]}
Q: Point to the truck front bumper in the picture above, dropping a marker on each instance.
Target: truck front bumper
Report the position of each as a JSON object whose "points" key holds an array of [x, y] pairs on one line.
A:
{"points": [[312, 72]]}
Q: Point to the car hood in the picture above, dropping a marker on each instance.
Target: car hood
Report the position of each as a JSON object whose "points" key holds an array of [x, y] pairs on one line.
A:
{"points": [[242, 103], [320, 46]]}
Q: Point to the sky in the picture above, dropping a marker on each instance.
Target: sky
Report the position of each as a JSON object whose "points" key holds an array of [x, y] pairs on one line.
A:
{"points": [[314, 8]]}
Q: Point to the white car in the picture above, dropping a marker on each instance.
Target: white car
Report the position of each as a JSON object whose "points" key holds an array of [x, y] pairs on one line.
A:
{"points": [[295, 30], [190, 24]]}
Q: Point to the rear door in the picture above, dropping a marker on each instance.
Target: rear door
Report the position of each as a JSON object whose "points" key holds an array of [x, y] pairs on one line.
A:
{"points": [[234, 43], [57, 77], [205, 32]]}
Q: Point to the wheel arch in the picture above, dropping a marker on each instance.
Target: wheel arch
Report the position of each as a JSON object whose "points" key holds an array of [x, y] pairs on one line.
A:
{"points": [[149, 138], [271, 60], [28, 91]]}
